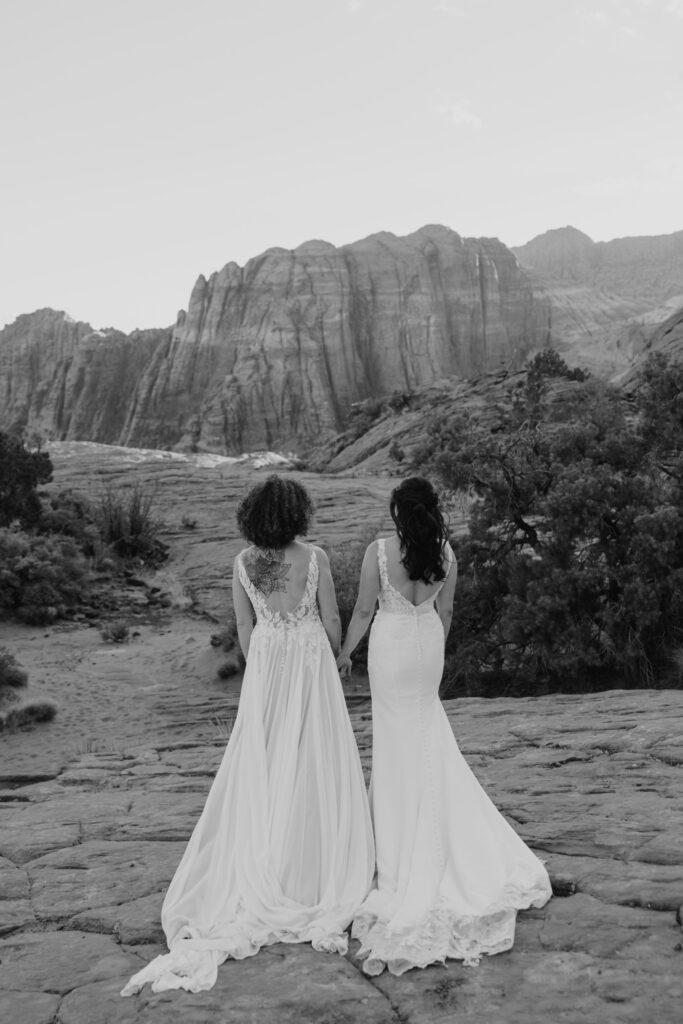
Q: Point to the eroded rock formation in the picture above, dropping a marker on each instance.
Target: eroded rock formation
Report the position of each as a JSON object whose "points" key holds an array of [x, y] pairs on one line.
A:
{"points": [[274, 353], [605, 297]]}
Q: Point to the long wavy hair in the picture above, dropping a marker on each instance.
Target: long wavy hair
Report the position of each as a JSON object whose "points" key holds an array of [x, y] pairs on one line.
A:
{"points": [[275, 513], [421, 529]]}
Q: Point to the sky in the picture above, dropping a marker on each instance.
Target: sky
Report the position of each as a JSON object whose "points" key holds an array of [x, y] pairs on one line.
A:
{"points": [[144, 142]]}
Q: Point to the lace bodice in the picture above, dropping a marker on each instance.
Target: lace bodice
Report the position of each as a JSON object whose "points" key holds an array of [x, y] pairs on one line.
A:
{"points": [[390, 599], [306, 609]]}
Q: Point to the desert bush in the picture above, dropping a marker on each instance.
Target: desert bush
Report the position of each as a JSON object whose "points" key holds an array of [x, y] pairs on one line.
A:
{"points": [[21, 472], [345, 563], [188, 523], [227, 639], [27, 712], [571, 577], [117, 632], [362, 415], [11, 675], [396, 452], [232, 666], [128, 525], [15, 708], [72, 515], [40, 577]]}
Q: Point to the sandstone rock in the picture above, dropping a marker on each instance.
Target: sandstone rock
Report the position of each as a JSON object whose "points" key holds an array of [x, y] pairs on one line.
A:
{"points": [[99, 874], [605, 296], [13, 881], [274, 353], [15, 914], [28, 1007], [40, 827], [132, 923], [283, 985], [59, 961]]}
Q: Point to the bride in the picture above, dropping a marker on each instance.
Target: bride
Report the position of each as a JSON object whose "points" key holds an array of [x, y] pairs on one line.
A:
{"points": [[451, 872], [283, 850]]}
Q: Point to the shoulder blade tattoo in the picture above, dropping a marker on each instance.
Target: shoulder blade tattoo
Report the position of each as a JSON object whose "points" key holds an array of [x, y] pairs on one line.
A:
{"points": [[268, 572]]}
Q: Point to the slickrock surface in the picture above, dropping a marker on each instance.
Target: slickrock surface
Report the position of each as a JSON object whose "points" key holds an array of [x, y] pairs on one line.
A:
{"points": [[196, 502], [593, 783], [95, 809]]}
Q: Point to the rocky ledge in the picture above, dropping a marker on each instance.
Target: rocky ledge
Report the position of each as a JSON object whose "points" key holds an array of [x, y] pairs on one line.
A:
{"points": [[593, 783]]}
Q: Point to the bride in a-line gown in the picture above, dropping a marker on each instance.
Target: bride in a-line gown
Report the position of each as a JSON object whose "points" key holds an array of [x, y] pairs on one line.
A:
{"points": [[283, 850], [451, 872]]}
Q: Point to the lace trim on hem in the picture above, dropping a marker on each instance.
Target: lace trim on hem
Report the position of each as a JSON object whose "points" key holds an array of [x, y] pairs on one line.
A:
{"points": [[442, 933]]}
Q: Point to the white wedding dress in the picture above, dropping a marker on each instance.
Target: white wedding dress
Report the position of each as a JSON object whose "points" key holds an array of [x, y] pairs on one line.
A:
{"points": [[451, 872], [283, 850]]}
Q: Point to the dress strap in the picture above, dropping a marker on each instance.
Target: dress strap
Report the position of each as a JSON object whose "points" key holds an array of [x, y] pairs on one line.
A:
{"points": [[313, 574], [382, 561]]}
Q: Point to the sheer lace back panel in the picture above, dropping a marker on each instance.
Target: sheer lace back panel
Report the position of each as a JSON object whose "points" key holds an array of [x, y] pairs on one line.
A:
{"points": [[282, 599], [391, 599]]}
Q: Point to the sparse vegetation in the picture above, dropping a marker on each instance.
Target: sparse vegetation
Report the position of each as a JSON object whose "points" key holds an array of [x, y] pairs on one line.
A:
{"points": [[117, 632], [40, 577], [232, 666], [21, 473], [571, 577], [128, 524], [224, 727], [227, 639], [12, 676], [188, 523], [15, 709]]}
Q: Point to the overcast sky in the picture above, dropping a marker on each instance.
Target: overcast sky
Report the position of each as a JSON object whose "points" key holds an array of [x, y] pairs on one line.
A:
{"points": [[147, 141]]}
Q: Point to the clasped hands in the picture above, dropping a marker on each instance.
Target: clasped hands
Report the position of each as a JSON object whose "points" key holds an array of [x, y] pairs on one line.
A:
{"points": [[344, 666]]}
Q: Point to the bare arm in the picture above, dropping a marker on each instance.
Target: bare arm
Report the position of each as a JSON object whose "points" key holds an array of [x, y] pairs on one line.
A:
{"points": [[244, 613], [444, 599], [327, 601], [368, 592]]}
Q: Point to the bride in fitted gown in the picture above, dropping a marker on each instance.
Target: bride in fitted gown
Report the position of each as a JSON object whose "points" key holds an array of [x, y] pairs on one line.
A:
{"points": [[283, 850], [451, 872]]}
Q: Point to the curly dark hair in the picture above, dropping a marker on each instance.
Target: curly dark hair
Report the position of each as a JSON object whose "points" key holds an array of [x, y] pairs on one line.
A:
{"points": [[275, 512], [421, 528]]}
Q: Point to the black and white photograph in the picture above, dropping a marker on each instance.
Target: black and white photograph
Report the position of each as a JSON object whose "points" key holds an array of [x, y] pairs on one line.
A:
{"points": [[341, 511]]}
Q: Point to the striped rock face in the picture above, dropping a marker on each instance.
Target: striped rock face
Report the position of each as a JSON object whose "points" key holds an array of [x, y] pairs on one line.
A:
{"points": [[277, 351]]}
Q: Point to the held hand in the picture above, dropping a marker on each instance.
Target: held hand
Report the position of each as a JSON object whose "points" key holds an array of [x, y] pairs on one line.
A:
{"points": [[344, 666]]}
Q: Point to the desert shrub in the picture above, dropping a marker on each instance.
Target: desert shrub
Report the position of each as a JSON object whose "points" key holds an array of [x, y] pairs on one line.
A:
{"points": [[72, 515], [40, 577], [231, 666], [15, 708], [188, 522], [362, 415], [399, 400], [11, 675], [227, 640], [21, 472], [115, 632], [128, 524], [396, 452], [345, 563], [26, 712], [571, 577]]}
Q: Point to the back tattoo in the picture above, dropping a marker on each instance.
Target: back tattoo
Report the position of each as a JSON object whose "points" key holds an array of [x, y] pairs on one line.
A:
{"points": [[268, 571]]}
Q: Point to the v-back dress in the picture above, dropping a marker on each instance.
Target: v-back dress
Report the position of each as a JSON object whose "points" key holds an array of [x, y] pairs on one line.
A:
{"points": [[283, 850], [451, 872]]}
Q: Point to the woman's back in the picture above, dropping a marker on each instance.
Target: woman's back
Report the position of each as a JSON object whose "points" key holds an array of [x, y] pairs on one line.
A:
{"points": [[415, 592], [280, 577]]}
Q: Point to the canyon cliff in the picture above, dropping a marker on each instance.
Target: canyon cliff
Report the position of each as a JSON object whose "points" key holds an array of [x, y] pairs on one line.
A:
{"points": [[273, 354], [605, 297]]}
